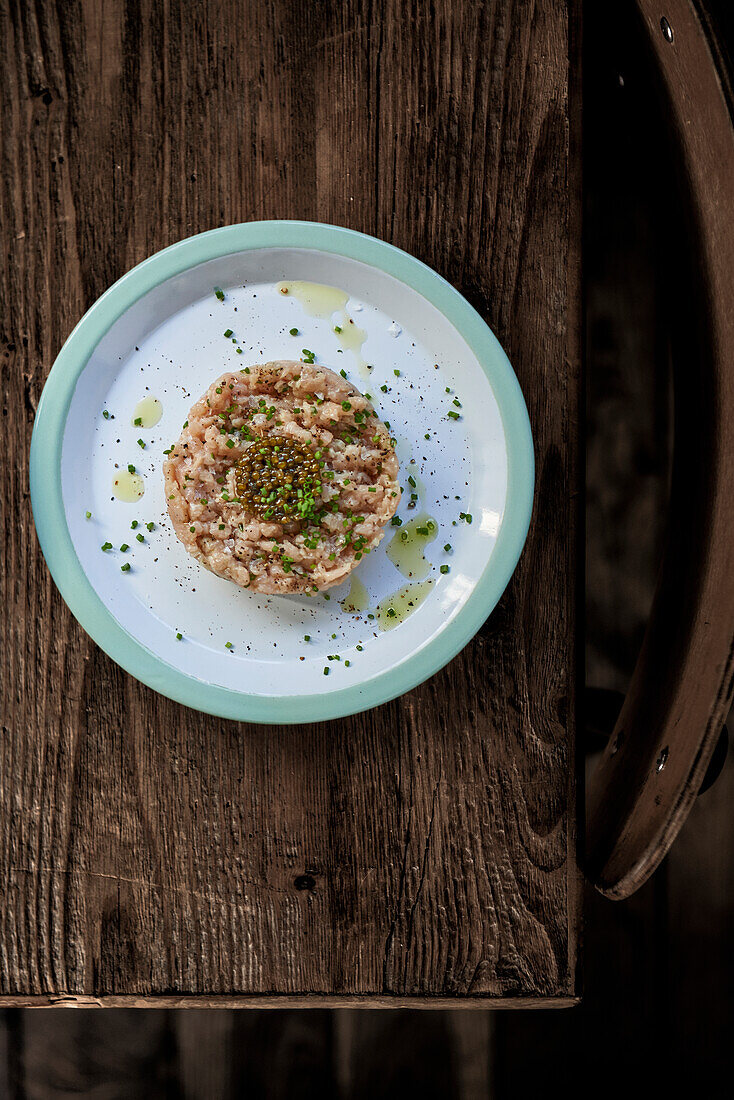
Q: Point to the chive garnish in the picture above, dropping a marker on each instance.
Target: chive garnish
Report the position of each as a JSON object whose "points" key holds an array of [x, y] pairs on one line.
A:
{"points": [[444, 569], [89, 515], [293, 331], [125, 568], [179, 637], [228, 332], [219, 293], [106, 545]]}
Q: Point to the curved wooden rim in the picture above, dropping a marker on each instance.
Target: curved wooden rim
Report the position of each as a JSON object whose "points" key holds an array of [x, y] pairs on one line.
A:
{"points": [[652, 768]]}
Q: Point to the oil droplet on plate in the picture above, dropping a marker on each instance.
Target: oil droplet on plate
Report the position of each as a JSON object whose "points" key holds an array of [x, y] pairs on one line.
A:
{"points": [[357, 598], [317, 299], [405, 549], [128, 487], [148, 412], [351, 338], [396, 608]]}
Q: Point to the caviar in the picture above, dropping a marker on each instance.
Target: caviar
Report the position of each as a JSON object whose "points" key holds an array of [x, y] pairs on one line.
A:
{"points": [[279, 479]]}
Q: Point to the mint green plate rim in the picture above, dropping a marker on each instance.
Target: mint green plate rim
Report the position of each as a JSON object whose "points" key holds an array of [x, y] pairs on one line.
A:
{"points": [[50, 519]]}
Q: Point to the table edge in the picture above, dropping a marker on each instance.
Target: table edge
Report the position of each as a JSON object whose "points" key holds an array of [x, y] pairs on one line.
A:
{"points": [[288, 1000]]}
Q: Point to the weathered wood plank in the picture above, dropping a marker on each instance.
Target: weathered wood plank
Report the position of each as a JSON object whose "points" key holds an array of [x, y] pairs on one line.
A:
{"points": [[147, 849]]}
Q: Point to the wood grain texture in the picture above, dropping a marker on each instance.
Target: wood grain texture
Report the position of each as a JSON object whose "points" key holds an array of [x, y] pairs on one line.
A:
{"points": [[150, 850]]}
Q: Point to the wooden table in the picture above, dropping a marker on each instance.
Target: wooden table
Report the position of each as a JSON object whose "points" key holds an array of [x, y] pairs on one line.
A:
{"points": [[423, 852]]}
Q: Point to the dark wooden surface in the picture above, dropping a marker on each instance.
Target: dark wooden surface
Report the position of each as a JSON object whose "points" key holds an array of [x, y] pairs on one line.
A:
{"points": [[147, 849], [658, 985], [654, 762]]}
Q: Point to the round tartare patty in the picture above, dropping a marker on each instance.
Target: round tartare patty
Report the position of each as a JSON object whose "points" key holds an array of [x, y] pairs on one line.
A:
{"points": [[282, 479]]}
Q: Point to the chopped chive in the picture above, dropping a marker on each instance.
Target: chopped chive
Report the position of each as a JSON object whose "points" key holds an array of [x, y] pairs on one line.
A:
{"points": [[228, 332], [138, 421], [106, 545], [396, 521], [150, 526], [452, 415], [293, 331], [133, 525], [130, 468], [139, 537], [360, 648], [105, 414], [124, 547], [326, 671], [447, 547], [89, 515], [444, 569], [457, 402], [179, 637], [411, 481], [141, 444], [219, 293], [125, 568], [337, 328], [396, 373], [391, 612], [192, 530], [307, 637], [347, 664]]}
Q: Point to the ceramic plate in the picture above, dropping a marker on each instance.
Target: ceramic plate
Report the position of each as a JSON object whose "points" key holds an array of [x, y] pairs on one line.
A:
{"points": [[421, 352]]}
